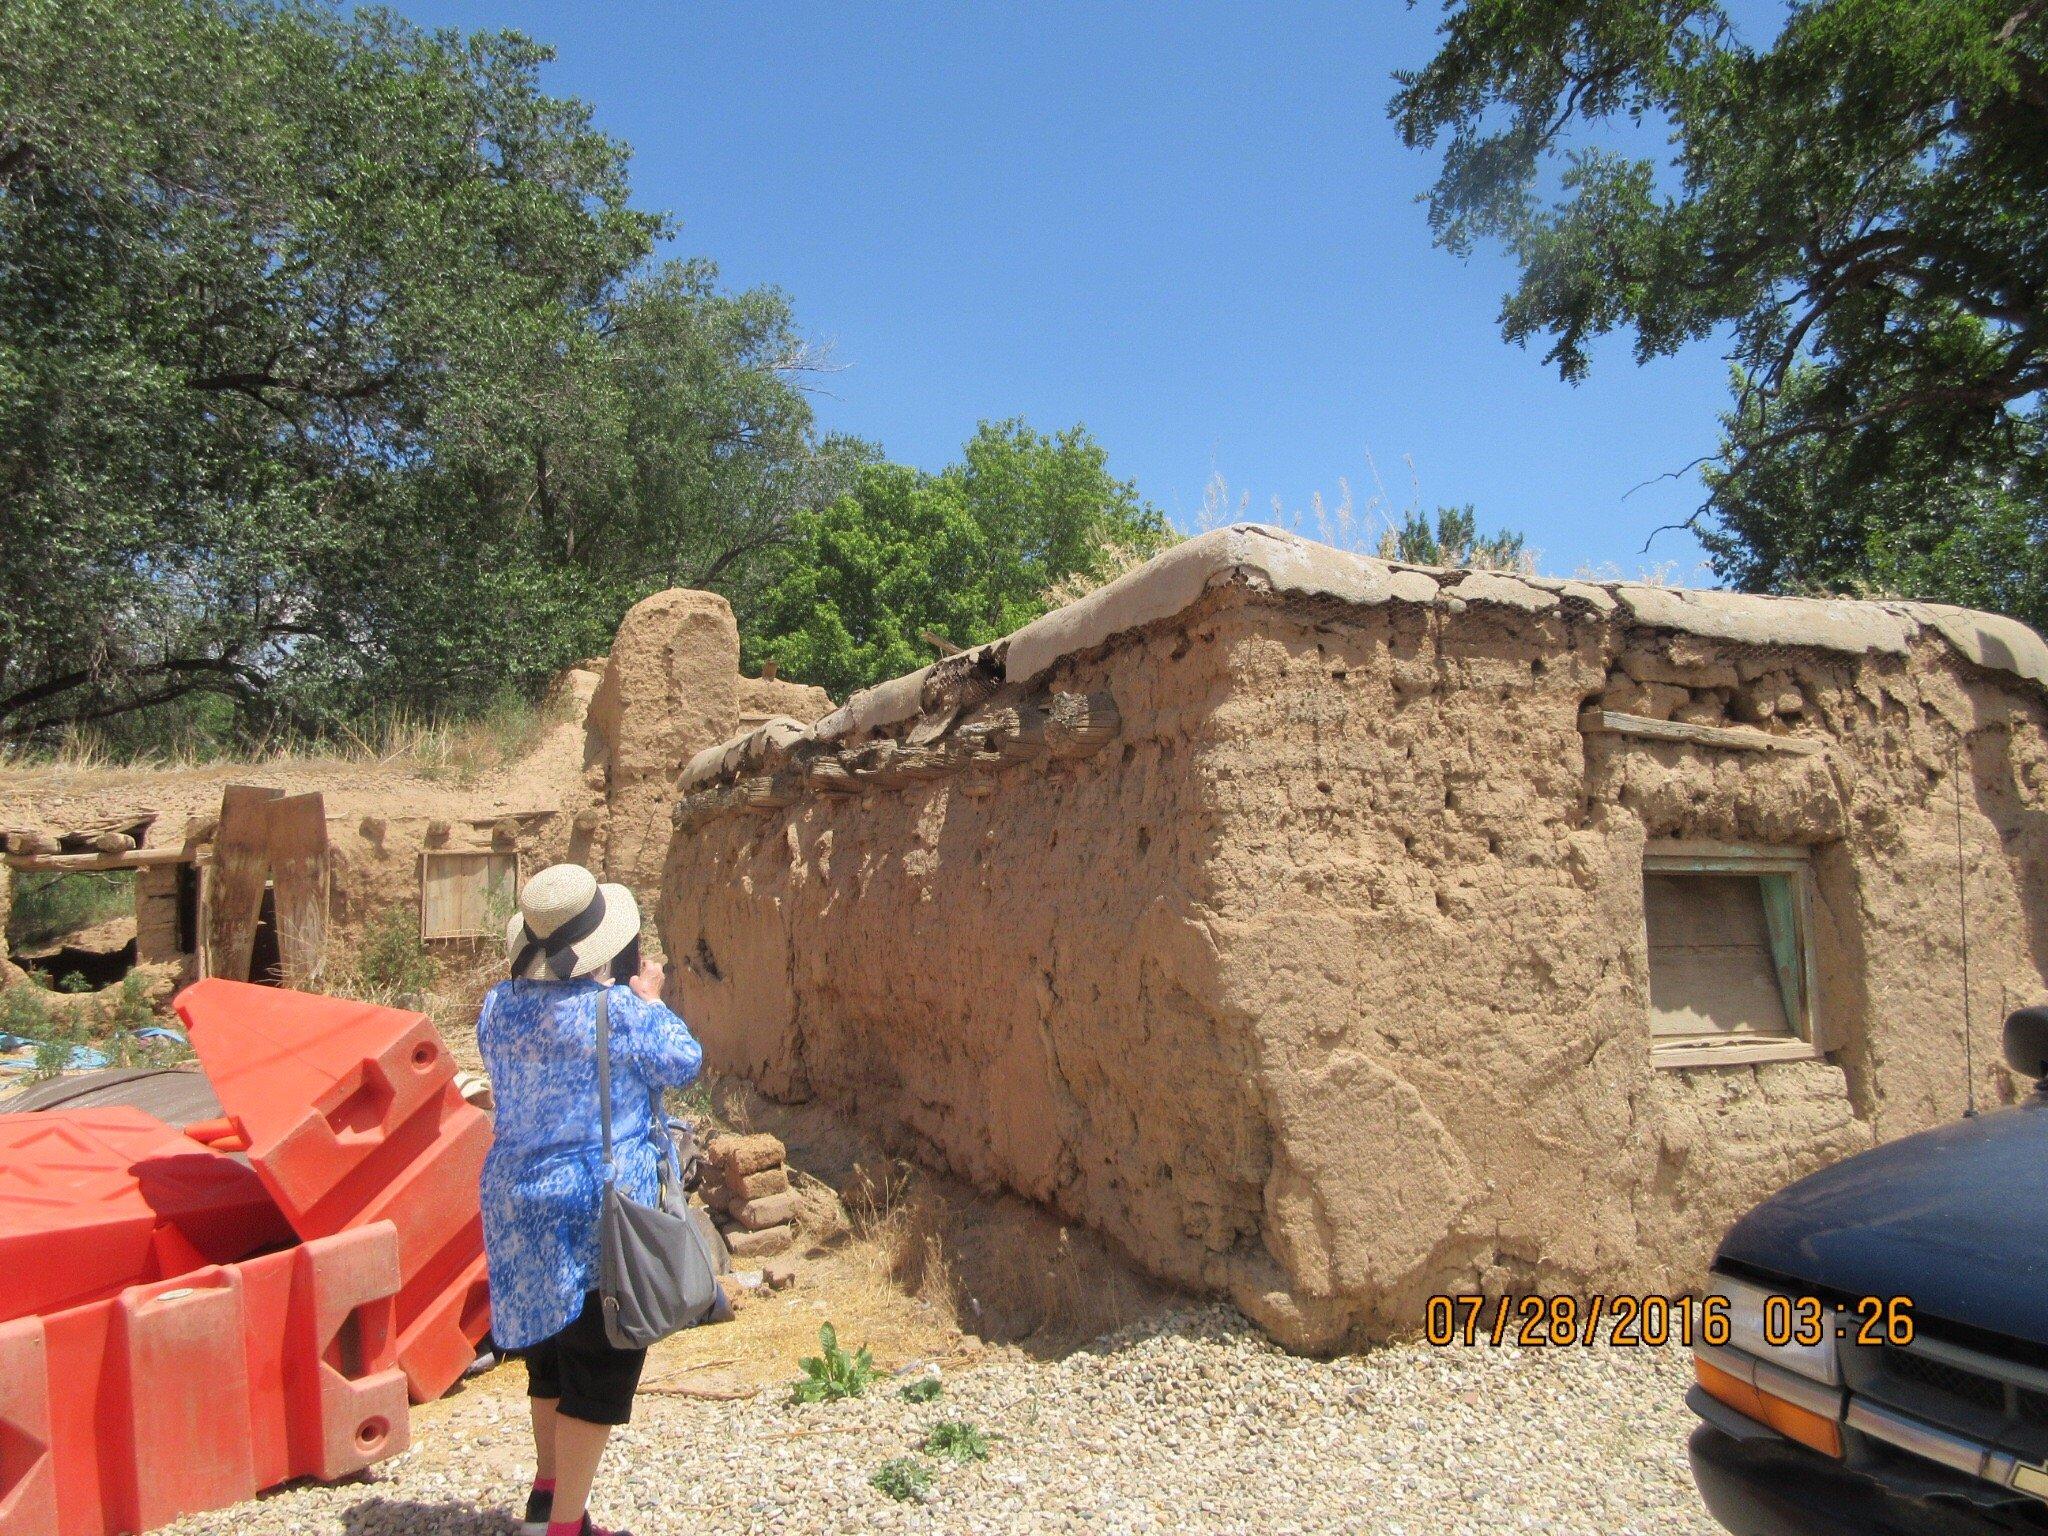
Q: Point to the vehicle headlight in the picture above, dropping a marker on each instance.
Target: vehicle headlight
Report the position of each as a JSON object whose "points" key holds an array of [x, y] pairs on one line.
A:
{"points": [[1776, 1363], [1794, 1333]]}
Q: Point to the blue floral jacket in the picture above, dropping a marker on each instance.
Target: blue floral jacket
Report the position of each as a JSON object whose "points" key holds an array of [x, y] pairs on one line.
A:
{"points": [[544, 1178]]}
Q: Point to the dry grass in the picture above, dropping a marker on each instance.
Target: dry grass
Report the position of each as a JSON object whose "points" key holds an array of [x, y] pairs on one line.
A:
{"points": [[1666, 573], [998, 1268], [1371, 527], [459, 750]]}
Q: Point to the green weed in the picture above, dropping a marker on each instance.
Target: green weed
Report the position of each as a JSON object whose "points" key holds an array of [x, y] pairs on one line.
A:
{"points": [[127, 1008], [905, 1478], [922, 1390], [832, 1373], [957, 1440], [391, 961], [23, 1012], [59, 1035]]}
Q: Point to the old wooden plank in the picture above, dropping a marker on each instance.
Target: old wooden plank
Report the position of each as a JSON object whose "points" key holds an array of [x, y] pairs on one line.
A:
{"points": [[297, 838], [1731, 1053], [234, 890], [1734, 738], [157, 928], [467, 894], [134, 858]]}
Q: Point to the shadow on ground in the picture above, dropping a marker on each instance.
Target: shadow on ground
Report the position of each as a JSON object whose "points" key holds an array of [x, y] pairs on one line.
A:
{"points": [[412, 1517]]}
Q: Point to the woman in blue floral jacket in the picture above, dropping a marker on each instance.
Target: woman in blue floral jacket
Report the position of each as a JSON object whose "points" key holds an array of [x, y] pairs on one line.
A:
{"points": [[572, 941]]}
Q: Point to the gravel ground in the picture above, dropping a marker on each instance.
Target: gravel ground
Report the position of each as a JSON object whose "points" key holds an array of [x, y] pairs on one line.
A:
{"points": [[1191, 1423]]}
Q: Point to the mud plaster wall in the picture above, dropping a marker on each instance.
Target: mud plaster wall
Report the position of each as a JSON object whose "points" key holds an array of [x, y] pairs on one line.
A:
{"points": [[762, 698], [672, 685], [1325, 984]]}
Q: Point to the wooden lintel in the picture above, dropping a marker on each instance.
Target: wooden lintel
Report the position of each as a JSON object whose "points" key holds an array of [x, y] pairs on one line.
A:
{"points": [[1733, 738], [132, 858], [1731, 1053]]}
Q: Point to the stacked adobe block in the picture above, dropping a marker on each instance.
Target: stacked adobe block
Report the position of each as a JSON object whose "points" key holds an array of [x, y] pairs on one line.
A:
{"points": [[746, 1187]]}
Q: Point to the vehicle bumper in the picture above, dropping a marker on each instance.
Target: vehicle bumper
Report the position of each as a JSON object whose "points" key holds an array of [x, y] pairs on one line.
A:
{"points": [[1764, 1485]]}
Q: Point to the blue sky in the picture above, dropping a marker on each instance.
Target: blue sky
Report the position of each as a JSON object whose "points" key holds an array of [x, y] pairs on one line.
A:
{"points": [[1189, 226]]}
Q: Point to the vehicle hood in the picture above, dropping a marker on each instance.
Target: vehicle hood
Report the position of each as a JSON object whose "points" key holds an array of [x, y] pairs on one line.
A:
{"points": [[1954, 1218]]}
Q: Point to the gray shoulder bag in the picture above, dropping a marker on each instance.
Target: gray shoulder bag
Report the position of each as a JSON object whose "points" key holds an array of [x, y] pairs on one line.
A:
{"points": [[655, 1273]]}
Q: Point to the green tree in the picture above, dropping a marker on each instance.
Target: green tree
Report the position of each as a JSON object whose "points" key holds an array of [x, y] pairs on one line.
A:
{"points": [[332, 373], [1453, 539], [1860, 205], [968, 554]]}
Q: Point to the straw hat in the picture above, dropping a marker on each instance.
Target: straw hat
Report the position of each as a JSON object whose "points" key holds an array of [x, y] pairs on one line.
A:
{"points": [[568, 925]]}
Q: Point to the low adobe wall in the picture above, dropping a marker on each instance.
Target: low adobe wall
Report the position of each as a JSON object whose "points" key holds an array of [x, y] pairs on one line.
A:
{"points": [[1275, 912]]}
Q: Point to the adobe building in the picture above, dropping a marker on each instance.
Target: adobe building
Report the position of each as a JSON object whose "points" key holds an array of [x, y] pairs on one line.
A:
{"points": [[270, 869], [1330, 932]]}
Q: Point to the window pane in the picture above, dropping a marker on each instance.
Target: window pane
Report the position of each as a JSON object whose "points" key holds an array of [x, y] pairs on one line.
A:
{"points": [[1712, 971]]}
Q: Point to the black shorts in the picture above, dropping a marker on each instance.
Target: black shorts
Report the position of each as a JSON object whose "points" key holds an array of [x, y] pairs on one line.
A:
{"points": [[594, 1380]]}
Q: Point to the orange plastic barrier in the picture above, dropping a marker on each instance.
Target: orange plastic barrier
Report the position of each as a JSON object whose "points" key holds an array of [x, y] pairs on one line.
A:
{"points": [[92, 1200], [196, 1392], [352, 1116], [219, 1133]]}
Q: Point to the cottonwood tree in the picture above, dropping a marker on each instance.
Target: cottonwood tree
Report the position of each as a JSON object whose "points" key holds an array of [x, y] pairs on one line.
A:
{"points": [[333, 374], [1859, 204], [968, 554]]}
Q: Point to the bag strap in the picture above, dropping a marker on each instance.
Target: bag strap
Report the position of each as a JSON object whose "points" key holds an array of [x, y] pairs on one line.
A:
{"points": [[604, 1076]]}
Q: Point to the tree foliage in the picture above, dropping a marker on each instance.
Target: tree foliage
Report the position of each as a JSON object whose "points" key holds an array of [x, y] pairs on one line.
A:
{"points": [[968, 554], [333, 370], [1453, 539], [1861, 204]]}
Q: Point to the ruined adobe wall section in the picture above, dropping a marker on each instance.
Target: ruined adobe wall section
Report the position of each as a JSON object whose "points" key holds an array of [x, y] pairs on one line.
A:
{"points": [[1323, 983], [670, 687], [546, 806], [1004, 970]]}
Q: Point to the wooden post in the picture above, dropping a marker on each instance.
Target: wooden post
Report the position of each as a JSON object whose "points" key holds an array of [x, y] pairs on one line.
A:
{"points": [[1080, 723], [241, 864], [297, 828]]}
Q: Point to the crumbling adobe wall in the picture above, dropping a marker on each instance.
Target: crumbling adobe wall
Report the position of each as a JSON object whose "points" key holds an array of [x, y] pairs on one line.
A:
{"points": [[672, 686], [1003, 982], [763, 698], [1324, 983], [1434, 916]]}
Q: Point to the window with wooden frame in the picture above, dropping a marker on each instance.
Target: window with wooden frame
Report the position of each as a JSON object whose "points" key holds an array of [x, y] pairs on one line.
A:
{"points": [[467, 895], [1731, 954]]}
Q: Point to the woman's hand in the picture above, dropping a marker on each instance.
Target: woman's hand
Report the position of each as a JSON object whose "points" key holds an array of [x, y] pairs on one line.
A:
{"points": [[647, 985]]}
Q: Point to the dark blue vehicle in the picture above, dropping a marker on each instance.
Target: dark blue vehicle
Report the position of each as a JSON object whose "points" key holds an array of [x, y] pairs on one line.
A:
{"points": [[1886, 1364]]}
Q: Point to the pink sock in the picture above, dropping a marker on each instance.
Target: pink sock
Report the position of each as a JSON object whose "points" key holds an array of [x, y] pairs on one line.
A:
{"points": [[543, 1485], [565, 1528]]}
